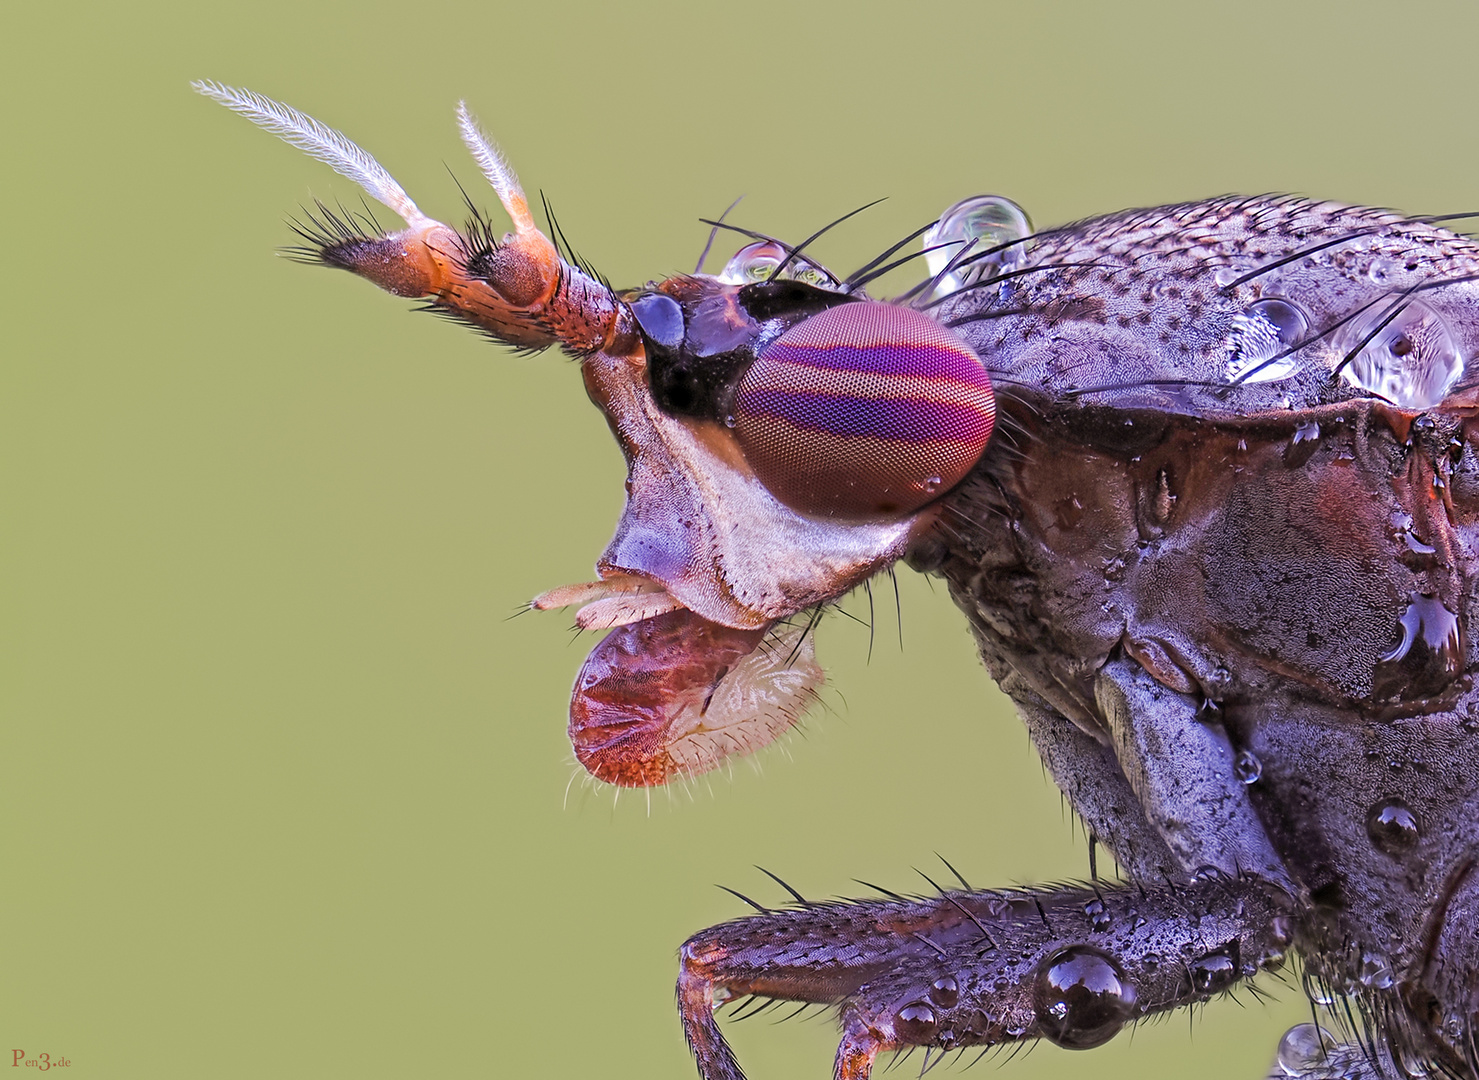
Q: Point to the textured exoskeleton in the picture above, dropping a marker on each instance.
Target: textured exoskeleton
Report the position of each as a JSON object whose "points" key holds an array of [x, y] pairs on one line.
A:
{"points": [[1219, 553]]}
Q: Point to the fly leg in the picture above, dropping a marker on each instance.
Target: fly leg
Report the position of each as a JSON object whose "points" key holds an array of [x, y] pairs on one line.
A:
{"points": [[965, 968]]}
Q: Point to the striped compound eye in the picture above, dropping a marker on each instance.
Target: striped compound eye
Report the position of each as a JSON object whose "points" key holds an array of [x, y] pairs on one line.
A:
{"points": [[863, 410]]}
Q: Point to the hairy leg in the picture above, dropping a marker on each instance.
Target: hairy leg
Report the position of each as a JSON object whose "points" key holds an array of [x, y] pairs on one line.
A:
{"points": [[966, 968]]}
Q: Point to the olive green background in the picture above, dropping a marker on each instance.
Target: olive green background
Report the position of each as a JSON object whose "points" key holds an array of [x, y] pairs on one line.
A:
{"points": [[285, 790]]}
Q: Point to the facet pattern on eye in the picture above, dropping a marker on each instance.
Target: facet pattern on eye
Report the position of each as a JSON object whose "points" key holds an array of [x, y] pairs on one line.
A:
{"points": [[865, 409]]}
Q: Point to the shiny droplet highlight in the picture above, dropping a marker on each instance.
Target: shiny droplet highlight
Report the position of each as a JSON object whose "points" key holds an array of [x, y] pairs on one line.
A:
{"points": [[1247, 768], [1261, 335], [1215, 971], [1402, 351], [1428, 656], [945, 991], [962, 247], [1393, 827], [1302, 1048], [915, 1022], [1082, 998]]}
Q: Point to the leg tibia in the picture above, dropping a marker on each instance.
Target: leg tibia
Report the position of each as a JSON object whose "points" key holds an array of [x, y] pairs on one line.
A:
{"points": [[1071, 965]]}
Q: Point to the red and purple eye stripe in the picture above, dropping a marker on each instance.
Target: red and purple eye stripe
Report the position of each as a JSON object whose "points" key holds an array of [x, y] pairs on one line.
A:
{"points": [[864, 409]]}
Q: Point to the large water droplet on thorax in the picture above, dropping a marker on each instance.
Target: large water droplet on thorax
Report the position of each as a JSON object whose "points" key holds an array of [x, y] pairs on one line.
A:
{"points": [[1261, 334], [1082, 997], [1411, 358], [959, 247]]}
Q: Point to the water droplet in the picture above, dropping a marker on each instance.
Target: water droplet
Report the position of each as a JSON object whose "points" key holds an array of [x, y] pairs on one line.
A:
{"points": [[1271, 959], [1262, 331], [915, 1022], [1098, 915], [932, 484], [730, 420], [1225, 276], [1247, 767], [1429, 655], [1393, 827], [1319, 991], [1303, 1047], [1302, 444], [1082, 998], [1380, 270], [758, 261], [1215, 971], [964, 239], [945, 992], [1375, 971], [1416, 546], [1411, 360]]}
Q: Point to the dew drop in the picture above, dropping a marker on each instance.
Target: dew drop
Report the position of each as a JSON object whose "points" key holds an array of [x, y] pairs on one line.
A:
{"points": [[1247, 767], [760, 260], [1411, 360], [958, 248], [1281, 930], [1098, 915], [1302, 444], [1375, 971], [915, 1022], [1429, 655], [1216, 971], [1262, 331], [1302, 1048], [1380, 270], [1082, 998], [1225, 276], [1393, 827], [1416, 546], [945, 992]]}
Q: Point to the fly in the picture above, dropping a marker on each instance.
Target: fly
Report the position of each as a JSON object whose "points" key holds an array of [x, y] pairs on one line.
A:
{"points": [[1202, 479]]}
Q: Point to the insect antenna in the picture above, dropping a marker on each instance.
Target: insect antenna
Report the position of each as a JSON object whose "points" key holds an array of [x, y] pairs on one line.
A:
{"points": [[703, 255], [318, 141], [799, 248]]}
